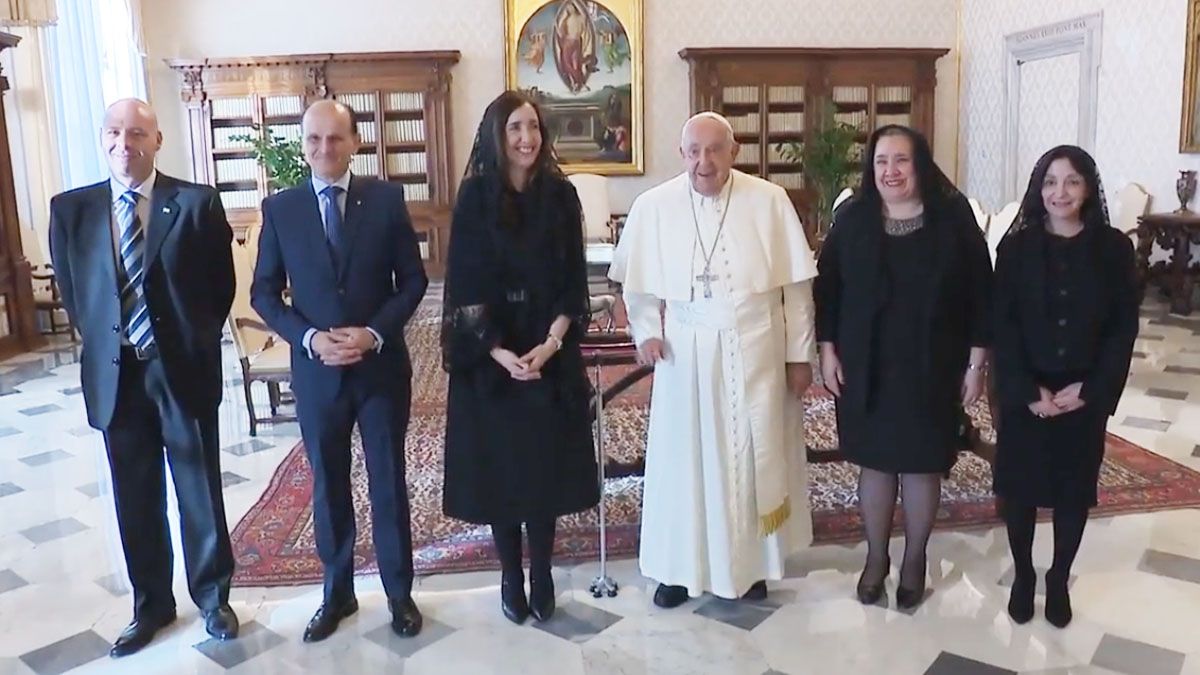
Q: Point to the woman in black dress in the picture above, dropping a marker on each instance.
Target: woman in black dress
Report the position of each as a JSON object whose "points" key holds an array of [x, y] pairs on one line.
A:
{"points": [[1066, 318], [518, 435], [903, 321]]}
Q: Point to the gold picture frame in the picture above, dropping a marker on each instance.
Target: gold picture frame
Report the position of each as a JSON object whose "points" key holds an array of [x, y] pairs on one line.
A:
{"points": [[582, 60], [1189, 127]]}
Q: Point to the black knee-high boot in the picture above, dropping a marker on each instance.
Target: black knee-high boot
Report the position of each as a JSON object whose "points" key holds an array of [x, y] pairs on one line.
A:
{"points": [[1020, 521], [512, 577], [541, 582]]}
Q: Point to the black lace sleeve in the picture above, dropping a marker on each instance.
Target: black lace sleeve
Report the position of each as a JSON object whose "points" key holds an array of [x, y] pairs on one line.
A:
{"points": [[468, 331]]}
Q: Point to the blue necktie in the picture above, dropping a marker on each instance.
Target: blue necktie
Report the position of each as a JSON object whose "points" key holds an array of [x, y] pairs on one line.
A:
{"points": [[135, 315], [333, 220]]}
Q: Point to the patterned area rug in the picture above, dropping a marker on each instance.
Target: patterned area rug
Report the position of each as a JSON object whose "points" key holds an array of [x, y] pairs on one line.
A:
{"points": [[274, 542]]}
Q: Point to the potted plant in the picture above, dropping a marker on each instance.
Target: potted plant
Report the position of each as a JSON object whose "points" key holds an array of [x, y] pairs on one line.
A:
{"points": [[283, 159], [827, 162]]}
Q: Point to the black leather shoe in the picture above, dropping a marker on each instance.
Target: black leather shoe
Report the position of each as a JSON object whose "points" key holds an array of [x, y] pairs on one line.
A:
{"points": [[512, 600], [406, 618], [327, 618], [221, 623], [541, 597], [139, 633], [1058, 602], [1020, 598], [758, 591], [670, 596], [870, 593]]}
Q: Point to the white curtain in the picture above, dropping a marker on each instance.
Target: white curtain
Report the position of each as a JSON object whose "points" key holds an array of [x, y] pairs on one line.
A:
{"points": [[94, 59]]}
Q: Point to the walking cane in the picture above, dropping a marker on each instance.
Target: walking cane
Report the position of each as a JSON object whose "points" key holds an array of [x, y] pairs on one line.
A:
{"points": [[602, 584]]}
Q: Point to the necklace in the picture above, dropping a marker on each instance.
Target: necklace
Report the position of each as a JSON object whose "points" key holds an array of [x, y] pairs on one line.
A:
{"points": [[707, 277]]}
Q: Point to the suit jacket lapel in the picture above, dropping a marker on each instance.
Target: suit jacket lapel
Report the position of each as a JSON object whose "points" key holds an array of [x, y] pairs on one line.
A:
{"points": [[351, 222], [164, 214]]}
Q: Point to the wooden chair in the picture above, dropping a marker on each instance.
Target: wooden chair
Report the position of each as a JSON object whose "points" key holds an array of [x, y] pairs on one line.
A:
{"points": [[46, 298], [263, 355]]}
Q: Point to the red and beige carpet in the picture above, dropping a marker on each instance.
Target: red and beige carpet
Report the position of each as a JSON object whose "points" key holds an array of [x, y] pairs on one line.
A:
{"points": [[274, 543]]}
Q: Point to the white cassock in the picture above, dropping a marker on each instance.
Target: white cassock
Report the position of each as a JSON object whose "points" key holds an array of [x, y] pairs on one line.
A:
{"points": [[726, 491]]}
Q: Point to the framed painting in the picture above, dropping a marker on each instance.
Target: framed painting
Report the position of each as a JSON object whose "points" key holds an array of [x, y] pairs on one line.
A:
{"points": [[581, 60], [1189, 127]]}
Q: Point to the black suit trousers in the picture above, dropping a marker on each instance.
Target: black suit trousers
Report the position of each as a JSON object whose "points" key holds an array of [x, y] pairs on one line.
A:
{"points": [[148, 417], [326, 424]]}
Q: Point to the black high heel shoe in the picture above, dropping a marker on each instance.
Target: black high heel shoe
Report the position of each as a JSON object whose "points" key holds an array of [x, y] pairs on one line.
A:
{"points": [[541, 596], [909, 598], [1058, 601], [870, 594], [1020, 598], [512, 599]]}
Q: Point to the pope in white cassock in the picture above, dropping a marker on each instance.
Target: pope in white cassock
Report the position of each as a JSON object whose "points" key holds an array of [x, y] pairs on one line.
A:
{"points": [[716, 275]]}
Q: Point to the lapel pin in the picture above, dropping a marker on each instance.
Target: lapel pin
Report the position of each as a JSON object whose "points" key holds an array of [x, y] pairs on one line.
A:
{"points": [[166, 209], [358, 202]]}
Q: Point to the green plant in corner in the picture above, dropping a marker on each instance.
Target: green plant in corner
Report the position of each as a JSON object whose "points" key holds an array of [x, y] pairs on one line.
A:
{"points": [[827, 162], [283, 159]]}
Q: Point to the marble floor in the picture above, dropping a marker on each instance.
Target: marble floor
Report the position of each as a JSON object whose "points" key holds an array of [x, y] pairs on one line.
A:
{"points": [[64, 597]]}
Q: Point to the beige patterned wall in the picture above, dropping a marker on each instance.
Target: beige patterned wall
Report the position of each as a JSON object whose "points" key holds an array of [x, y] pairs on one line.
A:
{"points": [[197, 28], [1141, 74], [1049, 108]]}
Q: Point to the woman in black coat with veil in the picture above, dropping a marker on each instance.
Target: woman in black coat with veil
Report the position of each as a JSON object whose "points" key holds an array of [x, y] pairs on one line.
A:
{"points": [[518, 433], [1066, 317]]}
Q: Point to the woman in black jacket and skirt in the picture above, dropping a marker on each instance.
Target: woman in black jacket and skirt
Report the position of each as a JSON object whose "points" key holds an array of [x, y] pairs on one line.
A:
{"points": [[518, 434], [903, 321], [1066, 318]]}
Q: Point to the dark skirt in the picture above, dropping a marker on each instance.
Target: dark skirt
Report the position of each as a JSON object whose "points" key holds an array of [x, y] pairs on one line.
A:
{"points": [[1050, 462], [910, 422], [516, 451]]}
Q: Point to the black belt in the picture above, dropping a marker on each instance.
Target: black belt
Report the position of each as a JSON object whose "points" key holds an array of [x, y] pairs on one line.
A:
{"points": [[147, 353]]}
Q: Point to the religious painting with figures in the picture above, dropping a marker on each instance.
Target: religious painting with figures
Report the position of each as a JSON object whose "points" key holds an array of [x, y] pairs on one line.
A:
{"points": [[582, 61]]}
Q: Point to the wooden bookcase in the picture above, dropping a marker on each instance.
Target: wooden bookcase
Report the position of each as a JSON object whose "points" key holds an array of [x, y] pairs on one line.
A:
{"points": [[780, 95], [401, 102]]}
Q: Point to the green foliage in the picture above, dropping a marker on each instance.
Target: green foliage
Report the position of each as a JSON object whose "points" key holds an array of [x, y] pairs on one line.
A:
{"points": [[283, 159], [827, 162]]}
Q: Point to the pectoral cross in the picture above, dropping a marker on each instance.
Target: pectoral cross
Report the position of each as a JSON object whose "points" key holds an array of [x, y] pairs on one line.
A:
{"points": [[707, 278]]}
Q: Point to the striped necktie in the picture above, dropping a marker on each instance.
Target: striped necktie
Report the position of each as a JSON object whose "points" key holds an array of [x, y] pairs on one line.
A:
{"points": [[135, 316]]}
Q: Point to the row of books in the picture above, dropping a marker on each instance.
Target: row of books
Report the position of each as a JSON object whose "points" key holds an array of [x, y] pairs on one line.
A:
{"points": [[229, 170], [744, 124], [740, 95], [365, 165], [858, 119], [851, 94], [406, 162], [281, 106], [789, 121], [794, 181], [748, 154], [240, 199], [398, 101], [785, 94], [883, 120], [416, 192], [405, 131], [223, 137], [230, 108], [893, 94], [775, 153], [288, 132]]}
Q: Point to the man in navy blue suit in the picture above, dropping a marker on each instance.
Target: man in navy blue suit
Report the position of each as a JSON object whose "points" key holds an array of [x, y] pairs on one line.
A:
{"points": [[146, 272], [347, 248]]}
